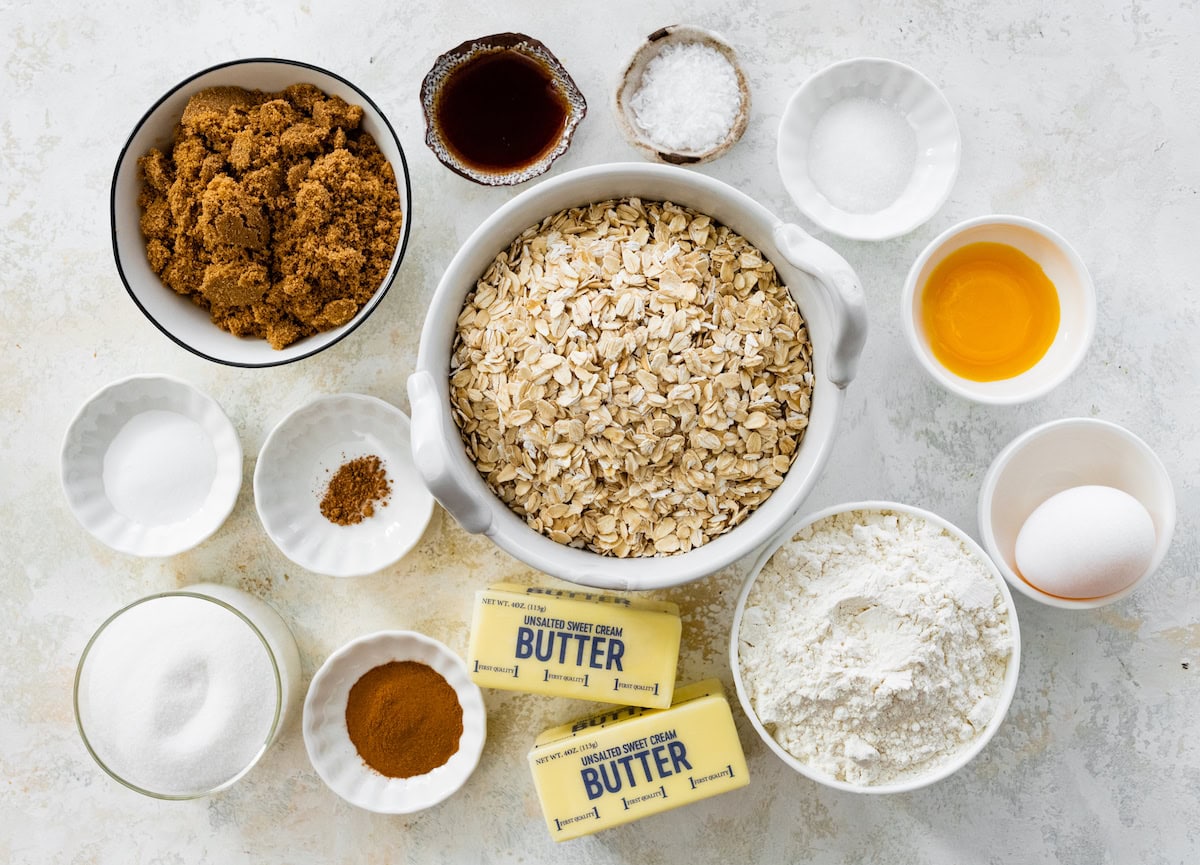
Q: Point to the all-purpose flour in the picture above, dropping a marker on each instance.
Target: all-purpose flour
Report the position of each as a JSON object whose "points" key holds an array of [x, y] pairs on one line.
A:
{"points": [[874, 645]]}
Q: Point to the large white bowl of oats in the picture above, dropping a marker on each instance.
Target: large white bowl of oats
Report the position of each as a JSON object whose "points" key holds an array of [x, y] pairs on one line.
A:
{"points": [[631, 375]]}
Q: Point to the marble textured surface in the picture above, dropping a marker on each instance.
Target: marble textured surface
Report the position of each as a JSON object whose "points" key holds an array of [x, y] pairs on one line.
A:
{"points": [[1081, 114]]}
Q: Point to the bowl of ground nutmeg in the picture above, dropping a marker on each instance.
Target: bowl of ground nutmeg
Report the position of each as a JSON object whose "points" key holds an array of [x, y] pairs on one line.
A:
{"points": [[336, 489], [260, 211]]}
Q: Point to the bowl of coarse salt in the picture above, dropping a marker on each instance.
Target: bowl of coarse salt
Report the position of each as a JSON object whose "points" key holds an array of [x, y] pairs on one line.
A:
{"points": [[875, 647], [683, 97], [868, 148]]}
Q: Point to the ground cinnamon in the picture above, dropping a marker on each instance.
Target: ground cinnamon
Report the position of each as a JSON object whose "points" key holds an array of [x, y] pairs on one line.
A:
{"points": [[404, 719], [354, 490]]}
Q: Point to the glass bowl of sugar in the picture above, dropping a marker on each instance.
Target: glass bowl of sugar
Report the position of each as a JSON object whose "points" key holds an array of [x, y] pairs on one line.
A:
{"points": [[179, 694], [868, 148]]}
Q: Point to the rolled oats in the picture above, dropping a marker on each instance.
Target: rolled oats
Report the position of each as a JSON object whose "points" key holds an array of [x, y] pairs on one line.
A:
{"points": [[631, 377]]}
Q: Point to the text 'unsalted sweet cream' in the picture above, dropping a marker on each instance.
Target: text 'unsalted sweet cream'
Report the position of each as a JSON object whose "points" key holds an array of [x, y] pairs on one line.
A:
{"points": [[575, 644], [630, 762]]}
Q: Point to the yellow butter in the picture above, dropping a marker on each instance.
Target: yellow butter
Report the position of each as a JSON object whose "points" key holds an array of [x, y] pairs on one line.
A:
{"points": [[628, 763], [578, 644]]}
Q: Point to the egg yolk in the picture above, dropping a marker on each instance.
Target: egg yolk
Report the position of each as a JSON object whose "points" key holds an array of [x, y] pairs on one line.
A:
{"points": [[989, 312]]}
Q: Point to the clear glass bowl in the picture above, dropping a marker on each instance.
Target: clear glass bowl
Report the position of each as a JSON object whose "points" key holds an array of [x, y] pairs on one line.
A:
{"points": [[281, 652]]}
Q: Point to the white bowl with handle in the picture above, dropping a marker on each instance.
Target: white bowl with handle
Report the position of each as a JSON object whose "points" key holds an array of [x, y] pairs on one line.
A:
{"points": [[824, 286]]}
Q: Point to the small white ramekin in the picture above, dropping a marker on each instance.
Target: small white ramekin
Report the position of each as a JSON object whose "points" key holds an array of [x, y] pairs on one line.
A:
{"points": [[917, 99], [1064, 268], [1003, 699], [294, 467], [1057, 456], [327, 738], [91, 433]]}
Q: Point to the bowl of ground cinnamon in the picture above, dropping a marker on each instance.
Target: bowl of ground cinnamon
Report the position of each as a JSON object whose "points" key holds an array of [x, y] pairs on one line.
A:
{"points": [[393, 722], [260, 211], [336, 489]]}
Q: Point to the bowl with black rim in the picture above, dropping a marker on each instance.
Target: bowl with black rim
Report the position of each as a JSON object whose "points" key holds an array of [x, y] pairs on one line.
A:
{"points": [[183, 321]]}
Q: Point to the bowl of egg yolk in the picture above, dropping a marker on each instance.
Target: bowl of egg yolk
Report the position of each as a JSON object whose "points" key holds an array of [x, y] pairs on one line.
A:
{"points": [[999, 309]]}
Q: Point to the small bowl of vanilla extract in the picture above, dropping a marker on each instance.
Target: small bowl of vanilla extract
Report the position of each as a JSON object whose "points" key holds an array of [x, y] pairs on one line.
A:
{"points": [[500, 109]]}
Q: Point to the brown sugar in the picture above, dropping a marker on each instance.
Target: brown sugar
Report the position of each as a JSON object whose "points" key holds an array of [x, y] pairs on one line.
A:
{"points": [[354, 490], [276, 212]]}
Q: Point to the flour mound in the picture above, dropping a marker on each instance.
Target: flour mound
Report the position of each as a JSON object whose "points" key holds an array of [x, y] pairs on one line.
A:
{"points": [[874, 646]]}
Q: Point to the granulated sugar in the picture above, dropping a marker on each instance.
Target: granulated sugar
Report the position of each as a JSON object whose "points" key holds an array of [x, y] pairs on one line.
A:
{"points": [[177, 695], [159, 468], [874, 646], [861, 155], [688, 99]]}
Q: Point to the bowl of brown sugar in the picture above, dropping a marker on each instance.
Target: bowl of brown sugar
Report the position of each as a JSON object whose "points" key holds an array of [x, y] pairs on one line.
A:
{"points": [[260, 211]]}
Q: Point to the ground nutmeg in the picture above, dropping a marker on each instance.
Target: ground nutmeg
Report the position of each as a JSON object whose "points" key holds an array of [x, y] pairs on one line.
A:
{"points": [[354, 490], [404, 718]]}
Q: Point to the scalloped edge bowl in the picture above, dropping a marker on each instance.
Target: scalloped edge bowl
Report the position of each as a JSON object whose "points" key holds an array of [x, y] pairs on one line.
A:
{"points": [[442, 69], [939, 145], [294, 466], [334, 756], [92, 430]]}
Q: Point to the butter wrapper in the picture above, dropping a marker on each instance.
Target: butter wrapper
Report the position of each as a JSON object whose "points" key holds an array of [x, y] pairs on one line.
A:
{"points": [[586, 645], [627, 763]]}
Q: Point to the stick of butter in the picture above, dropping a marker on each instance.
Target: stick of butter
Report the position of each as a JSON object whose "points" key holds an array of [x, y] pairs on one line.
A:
{"points": [[575, 644], [628, 763]]}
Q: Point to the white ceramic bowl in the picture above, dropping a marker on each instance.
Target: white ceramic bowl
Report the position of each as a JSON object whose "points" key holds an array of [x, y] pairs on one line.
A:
{"points": [[295, 465], [1057, 456], [1076, 298], [176, 316], [137, 527], [631, 81], [823, 285], [1003, 699], [911, 94], [334, 756]]}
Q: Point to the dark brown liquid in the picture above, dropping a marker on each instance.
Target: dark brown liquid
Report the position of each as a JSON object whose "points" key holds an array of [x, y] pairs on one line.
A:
{"points": [[500, 111]]}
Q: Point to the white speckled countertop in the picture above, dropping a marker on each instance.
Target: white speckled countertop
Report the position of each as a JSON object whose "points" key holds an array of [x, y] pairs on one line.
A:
{"points": [[1084, 115]]}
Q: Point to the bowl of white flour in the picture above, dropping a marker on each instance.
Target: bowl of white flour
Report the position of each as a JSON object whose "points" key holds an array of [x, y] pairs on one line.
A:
{"points": [[875, 647]]}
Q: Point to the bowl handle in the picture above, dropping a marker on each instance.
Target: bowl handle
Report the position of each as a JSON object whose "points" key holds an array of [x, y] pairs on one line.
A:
{"points": [[431, 438], [842, 289]]}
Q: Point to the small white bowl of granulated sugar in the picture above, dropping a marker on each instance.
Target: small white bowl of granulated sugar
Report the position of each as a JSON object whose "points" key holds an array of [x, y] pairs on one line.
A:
{"points": [[875, 647], [683, 98], [868, 148]]}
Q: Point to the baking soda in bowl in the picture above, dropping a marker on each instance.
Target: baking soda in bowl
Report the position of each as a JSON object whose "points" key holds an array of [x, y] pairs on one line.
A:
{"points": [[178, 694]]}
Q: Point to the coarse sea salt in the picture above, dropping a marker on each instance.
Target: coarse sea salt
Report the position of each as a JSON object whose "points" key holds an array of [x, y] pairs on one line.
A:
{"points": [[861, 155], [177, 695], [159, 468], [688, 98]]}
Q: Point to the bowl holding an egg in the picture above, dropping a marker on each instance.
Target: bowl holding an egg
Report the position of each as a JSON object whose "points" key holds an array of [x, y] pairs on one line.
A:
{"points": [[999, 309], [1077, 513], [233, 206]]}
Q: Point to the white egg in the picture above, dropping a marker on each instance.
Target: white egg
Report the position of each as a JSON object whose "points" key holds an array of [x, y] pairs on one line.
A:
{"points": [[1086, 542]]}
